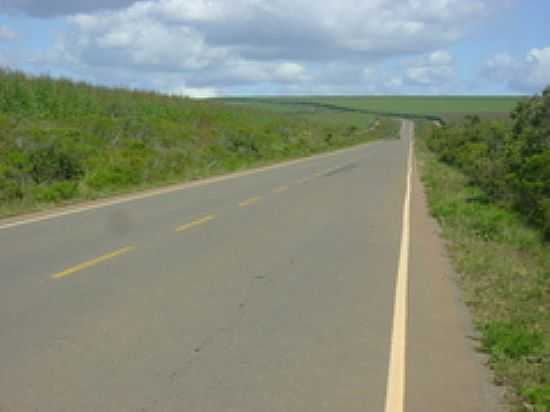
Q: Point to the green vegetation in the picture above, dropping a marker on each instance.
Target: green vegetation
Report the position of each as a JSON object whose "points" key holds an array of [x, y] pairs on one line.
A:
{"points": [[488, 181], [488, 184], [62, 141], [443, 108], [510, 162]]}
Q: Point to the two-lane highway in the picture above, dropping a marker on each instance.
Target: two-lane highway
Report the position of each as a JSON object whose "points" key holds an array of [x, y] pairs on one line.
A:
{"points": [[270, 291]]}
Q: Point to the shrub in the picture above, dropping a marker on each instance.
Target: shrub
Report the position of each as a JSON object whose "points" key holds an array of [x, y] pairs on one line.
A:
{"points": [[52, 163], [510, 161], [55, 192], [9, 187]]}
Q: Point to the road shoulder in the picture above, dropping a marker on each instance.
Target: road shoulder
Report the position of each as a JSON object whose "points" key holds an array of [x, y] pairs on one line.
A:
{"points": [[445, 372]]}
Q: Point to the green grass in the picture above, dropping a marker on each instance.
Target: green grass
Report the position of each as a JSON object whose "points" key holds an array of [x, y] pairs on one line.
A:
{"points": [[426, 104], [318, 114], [504, 271], [448, 108], [62, 142]]}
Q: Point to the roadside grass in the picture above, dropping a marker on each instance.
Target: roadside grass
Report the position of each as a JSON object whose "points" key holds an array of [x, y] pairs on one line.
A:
{"points": [[503, 267], [62, 142]]}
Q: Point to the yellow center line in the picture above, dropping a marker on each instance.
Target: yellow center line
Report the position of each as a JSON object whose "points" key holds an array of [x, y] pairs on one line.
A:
{"points": [[197, 222], [82, 266], [280, 189], [396, 383], [250, 201]]}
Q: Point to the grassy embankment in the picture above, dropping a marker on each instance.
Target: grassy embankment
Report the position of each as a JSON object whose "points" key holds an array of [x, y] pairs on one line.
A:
{"points": [[62, 142], [488, 185]]}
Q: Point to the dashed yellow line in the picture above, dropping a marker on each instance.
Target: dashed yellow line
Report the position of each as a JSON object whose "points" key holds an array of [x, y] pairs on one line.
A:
{"points": [[280, 189], [197, 222], [93, 262], [250, 201]]}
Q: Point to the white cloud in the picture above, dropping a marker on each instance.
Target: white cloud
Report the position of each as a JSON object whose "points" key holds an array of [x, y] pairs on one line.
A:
{"points": [[7, 34], [195, 92], [429, 75], [277, 28], [287, 45], [530, 74], [440, 58], [432, 69], [538, 62], [393, 82], [143, 42], [290, 72], [501, 64], [369, 73]]}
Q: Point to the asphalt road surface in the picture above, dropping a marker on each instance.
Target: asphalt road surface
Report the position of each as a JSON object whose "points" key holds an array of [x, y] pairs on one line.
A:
{"points": [[267, 291]]}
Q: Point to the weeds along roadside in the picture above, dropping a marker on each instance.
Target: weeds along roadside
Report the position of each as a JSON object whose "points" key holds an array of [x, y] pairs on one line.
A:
{"points": [[63, 142], [503, 267]]}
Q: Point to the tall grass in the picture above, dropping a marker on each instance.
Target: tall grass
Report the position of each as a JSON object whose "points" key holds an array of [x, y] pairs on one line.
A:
{"points": [[62, 141]]}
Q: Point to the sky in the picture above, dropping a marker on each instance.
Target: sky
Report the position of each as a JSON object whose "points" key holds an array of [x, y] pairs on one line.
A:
{"points": [[205, 48]]}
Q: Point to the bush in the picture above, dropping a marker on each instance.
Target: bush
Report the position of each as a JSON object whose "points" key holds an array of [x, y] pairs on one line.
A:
{"points": [[510, 161], [55, 192], [52, 163], [9, 187]]}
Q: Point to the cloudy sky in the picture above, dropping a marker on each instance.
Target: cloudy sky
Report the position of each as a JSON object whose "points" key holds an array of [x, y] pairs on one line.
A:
{"points": [[243, 47]]}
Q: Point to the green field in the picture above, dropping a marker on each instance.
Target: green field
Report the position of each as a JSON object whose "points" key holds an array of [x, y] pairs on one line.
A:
{"points": [[447, 108]]}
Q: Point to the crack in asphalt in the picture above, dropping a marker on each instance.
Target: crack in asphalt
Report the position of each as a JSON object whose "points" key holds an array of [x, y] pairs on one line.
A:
{"points": [[342, 169], [210, 339]]}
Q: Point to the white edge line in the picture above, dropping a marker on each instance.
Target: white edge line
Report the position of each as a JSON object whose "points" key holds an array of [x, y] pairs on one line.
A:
{"points": [[395, 388], [173, 188]]}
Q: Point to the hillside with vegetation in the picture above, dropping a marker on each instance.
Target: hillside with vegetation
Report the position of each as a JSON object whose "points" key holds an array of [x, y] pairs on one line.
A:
{"points": [[488, 184], [62, 141]]}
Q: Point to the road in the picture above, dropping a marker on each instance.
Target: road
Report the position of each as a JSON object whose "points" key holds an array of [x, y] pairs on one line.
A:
{"points": [[273, 290]]}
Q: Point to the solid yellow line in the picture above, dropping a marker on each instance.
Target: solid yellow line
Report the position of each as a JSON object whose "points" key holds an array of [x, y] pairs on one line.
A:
{"points": [[250, 201], [395, 388], [195, 223], [280, 189], [82, 266]]}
